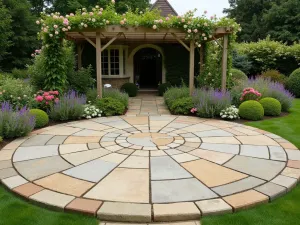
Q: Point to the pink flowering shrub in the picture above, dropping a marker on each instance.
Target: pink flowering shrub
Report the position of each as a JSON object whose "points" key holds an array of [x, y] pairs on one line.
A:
{"points": [[250, 94], [45, 99]]}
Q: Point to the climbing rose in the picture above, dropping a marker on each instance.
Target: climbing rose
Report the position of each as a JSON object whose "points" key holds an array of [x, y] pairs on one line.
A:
{"points": [[39, 98], [154, 27], [66, 22]]}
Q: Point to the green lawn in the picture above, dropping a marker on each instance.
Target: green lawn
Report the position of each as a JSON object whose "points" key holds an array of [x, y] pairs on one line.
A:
{"points": [[14, 211], [285, 210]]}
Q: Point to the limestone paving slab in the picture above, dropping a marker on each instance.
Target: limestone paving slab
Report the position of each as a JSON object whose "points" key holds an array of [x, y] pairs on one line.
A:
{"points": [[272, 190], [127, 212], [38, 168], [182, 190], [92, 171], [150, 168], [213, 207], [175, 212]]}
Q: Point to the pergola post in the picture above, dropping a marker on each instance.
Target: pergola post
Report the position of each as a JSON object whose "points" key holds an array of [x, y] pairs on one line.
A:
{"points": [[79, 54], [98, 64], [192, 66], [224, 62]]}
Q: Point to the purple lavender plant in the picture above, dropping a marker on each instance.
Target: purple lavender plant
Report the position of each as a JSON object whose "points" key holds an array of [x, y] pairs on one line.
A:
{"points": [[210, 102], [15, 123], [69, 107]]}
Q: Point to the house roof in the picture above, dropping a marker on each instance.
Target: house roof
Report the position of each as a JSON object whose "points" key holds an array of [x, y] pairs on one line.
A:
{"points": [[165, 7]]}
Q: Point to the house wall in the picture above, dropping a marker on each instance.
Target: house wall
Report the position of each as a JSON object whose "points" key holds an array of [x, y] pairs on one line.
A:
{"points": [[175, 63]]}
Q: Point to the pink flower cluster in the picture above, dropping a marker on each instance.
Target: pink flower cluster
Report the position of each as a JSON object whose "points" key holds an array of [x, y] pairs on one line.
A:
{"points": [[194, 110], [47, 97], [250, 94]]}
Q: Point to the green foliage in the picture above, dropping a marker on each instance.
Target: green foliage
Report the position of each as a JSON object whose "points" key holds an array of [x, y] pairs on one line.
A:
{"points": [[110, 106], [182, 106], [123, 97], [275, 76], [16, 92], [251, 110], [293, 83], [20, 73], [238, 76], [174, 93], [1, 139], [6, 32], [270, 55], [23, 39], [81, 80], [41, 117], [130, 88], [272, 106], [91, 96], [283, 21], [116, 94], [162, 88], [241, 62]]}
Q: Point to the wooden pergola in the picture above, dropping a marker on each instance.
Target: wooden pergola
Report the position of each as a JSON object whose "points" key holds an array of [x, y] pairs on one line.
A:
{"points": [[102, 38]]}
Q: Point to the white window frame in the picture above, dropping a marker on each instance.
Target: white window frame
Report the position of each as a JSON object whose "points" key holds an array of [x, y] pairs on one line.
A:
{"points": [[121, 48]]}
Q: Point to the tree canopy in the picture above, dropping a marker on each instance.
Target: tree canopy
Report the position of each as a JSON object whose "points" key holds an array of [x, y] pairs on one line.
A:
{"points": [[5, 30], [259, 18]]}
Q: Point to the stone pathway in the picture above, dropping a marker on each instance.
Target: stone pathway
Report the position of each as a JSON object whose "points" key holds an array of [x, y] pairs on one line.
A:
{"points": [[147, 104], [150, 168]]}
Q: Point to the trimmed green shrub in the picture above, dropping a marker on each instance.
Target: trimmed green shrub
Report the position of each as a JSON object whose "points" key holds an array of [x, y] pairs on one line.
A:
{"points": [[238, 76], [41, 117], [175, 93], [162, 88], [110, 106], [272, 106], [116, 94], [182, 106], [251, 110], [275, 76], [130, 88], [293, 83], [123, 97]]}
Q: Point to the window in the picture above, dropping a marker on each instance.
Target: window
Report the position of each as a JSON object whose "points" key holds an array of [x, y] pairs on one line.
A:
{"points": [[113, 61]]}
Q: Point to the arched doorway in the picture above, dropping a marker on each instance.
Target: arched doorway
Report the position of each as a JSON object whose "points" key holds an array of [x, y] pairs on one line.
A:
{"points": [[148, 68]]}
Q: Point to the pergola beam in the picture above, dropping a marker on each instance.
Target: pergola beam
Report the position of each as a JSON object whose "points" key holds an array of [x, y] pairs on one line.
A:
{"points": [[110, 42], [224, 62], [181, 42], [86, 38], [98, 64]]}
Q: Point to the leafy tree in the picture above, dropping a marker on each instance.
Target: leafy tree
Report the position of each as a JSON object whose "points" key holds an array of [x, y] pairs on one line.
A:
{"points": [[39, 5], [68, 6], [24, 37], [249, 13], [283, 21], [5, 30]]}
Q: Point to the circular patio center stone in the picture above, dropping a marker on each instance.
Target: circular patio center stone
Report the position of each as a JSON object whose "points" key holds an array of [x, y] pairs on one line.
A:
{"points": [[150, 139]]}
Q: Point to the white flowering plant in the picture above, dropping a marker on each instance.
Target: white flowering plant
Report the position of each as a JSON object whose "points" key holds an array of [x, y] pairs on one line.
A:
{"points": [[230, 113], [91, 111]]}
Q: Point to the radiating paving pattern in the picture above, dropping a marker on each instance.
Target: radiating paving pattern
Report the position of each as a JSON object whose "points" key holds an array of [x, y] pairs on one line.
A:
{"points": [[150, 168]]}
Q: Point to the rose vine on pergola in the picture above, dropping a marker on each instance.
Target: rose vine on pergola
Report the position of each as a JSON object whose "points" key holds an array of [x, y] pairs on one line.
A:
{"points": [[101, 24]]}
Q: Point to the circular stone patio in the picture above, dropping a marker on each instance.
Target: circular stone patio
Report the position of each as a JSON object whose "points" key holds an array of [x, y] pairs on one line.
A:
{"points": [[156, 168]]}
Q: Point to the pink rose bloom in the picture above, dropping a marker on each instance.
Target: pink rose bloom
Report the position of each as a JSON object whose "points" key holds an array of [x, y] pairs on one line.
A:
{"points": [[66, 22], [167, 18], [161, 21], [47, 103], [189, 31], [183, 20], [39, 98], [122, 22], [48, 97], [55, 92], [91, 13], [46, 93], [71, 14]]}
